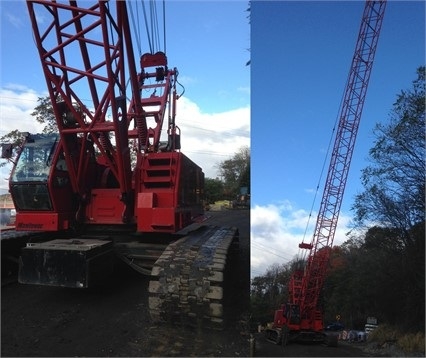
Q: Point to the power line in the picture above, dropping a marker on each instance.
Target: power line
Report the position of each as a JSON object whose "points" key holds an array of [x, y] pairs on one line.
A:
{"points": [[18, 99], [266, 249], [207, 152], [225, 132]]}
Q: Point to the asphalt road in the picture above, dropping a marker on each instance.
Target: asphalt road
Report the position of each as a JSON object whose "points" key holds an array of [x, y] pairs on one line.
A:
{"points": [[113, 320]]}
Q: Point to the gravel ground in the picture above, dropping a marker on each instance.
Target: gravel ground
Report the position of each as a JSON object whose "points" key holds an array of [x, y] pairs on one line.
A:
{"points": [[114, 321]]}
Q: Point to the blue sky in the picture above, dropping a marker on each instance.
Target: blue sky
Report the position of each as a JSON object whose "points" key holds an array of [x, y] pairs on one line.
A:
{"points": [[207, 41], [301, 53]]}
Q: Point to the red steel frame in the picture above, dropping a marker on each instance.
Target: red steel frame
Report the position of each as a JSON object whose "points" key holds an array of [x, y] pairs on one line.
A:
{"points": [[71, 28], [88, 48], [306, 291]]}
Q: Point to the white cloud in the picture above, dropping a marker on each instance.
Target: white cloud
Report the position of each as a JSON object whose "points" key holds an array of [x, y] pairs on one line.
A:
{"points": [[187, 80], [17, 102], [14, 20], [278, 229], [207, 138], [310, 190], [245, 90]]}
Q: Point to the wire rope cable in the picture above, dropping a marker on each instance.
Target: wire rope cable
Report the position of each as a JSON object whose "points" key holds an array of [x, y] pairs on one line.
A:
{"points": [[152, 25], [332, 136], [146, 27], [164, 26], [136, 29]]}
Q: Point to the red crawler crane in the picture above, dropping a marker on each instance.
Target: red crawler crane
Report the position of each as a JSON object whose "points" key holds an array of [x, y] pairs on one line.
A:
{"points": [[106, 184], [301, 318]]}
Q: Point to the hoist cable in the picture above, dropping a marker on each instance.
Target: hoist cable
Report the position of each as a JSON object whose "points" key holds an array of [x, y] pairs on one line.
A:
{"points": [[136, 28], [164, 25], [152, 26], [146, 27], [156, 29], [323, 169], [151, 23], [139, 30]]}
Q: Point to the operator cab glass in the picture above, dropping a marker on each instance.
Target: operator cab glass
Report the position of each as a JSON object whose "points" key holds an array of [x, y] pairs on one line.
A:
{"points": [[293, 314], [35, 159], [29, 180]]}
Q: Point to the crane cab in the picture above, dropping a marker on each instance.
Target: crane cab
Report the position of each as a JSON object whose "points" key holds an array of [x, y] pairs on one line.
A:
{"points": [[40, 185]]}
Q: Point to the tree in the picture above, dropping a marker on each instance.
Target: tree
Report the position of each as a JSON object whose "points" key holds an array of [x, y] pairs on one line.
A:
{"points": [[268, 292], [236, 172], [380, 278], [213, 190], [394, 193], [44, 114]]}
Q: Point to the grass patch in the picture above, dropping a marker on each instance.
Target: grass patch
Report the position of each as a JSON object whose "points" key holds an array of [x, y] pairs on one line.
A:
{"points": [[222, 203], [408, 342], [384, 333], [412, 342]]}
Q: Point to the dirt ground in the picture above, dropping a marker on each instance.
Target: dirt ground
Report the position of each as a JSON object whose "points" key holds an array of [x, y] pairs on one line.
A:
{"points": [[114, 321]]}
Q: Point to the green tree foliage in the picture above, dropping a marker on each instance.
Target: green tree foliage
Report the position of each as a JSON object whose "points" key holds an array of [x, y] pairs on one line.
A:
{"points": [[235, 172], [244, 180], [380, 278], [44, 114], [213, 190], [12, 141]]}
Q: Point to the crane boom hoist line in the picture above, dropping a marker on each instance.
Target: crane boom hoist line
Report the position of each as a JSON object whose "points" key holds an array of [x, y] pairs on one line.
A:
{"points": [[152, 25]]}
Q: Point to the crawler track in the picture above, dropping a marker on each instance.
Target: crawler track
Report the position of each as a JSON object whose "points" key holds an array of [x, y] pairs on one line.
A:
{"points": [[187, 284]]}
